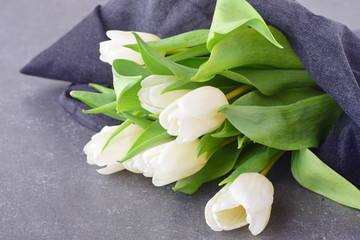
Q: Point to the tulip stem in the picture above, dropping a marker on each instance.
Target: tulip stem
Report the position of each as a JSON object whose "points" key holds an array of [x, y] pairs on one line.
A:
{"points": [[177, 51], [238, 91], [273, 160], [228, 141]]}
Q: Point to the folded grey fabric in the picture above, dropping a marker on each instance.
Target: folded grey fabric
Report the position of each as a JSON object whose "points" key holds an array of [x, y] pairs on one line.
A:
{"points": [[329, 51]]}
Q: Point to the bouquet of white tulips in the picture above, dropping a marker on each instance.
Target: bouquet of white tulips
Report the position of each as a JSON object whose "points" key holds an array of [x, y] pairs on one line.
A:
{"points": [[225, 101]]}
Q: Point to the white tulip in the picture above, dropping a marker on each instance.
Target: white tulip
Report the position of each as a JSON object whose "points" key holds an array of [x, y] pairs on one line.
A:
{"points": [[115, 151], [247, 200], [151, 96], [194, 114], [113, 49], [169, 162]]}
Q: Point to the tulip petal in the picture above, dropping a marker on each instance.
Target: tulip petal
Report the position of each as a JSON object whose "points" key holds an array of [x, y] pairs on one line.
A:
{"points": [[150, 108], [153, 80], [104, 46], [173, 128], [149, 156], [190, 128], [203, 102], [230, 207], [126, 37], [164, 119], [131, 166], [114, 49], [228, 213], [115, 150], [151, 96], [222, 212], [209, 216], [144, 97], [163, 100], [170, 162], [252, 190], [258, 220], [125, 53], [231, 218]]}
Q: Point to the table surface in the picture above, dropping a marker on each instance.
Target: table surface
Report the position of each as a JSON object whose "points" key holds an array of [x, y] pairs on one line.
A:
{"points": [[47, 191]]}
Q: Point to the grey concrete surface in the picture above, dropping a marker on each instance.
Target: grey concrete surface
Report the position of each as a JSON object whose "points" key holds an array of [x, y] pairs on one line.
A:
{"points": [[47, 191]]}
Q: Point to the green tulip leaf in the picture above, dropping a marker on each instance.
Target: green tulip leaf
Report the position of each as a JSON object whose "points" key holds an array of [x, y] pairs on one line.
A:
{"points": [[96, 100], [126, 80], [102, 89], [136, 119], [219, 164], [102, 109], [183, 40], [271, 81], [195, 62], [209, 145], [313, 174], [230, 16], [226, 130], [118, 130], [158, 64], [152, 135], [126, 88], [247, 48], [253, 158], [243, 141], [125, 67], [291, 120], [224, 84], [131, 118], [200, 50]]}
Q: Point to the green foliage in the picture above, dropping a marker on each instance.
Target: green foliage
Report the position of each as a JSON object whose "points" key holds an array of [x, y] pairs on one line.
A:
{"points": [[129, 68], [235, 16], [200, 50], [247, 48], [137, 119], [313, 174], [226, 130], [290, 120], [242, 141], [152, 135], [102, 109], [209, 145], [224, 84], [271, 81], [96, 100], [158, 64], [183, 40], [253, 158], [102, 89], [126, 80]]}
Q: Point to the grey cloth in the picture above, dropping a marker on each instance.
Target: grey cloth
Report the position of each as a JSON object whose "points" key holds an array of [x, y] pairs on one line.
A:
{"points": [[329, 51]]}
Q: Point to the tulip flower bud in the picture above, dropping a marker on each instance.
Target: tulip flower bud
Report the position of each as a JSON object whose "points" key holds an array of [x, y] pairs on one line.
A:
{"points": [[169, 162], [115, 150], [151, 96], [113, 49], [247, 200], [194, 114]]}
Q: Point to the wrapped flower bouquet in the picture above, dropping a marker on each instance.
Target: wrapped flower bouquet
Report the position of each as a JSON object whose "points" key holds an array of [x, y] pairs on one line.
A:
{"points": [[220, 104]]}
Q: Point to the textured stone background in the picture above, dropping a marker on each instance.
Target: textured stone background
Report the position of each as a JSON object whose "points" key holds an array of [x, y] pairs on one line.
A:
{"points": [[47, 191]]}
